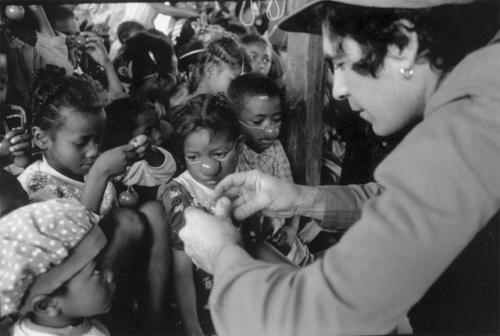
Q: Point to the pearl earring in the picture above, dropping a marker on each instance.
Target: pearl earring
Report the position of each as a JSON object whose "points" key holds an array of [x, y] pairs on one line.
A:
{"points": [[407, 73]]}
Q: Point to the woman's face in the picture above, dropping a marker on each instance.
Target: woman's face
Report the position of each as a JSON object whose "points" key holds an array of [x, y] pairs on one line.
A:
{"points": [[388, 101]]}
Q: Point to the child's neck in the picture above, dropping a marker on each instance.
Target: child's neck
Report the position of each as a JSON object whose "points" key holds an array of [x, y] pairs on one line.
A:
{"points": [[79, 178], [60, 321]]}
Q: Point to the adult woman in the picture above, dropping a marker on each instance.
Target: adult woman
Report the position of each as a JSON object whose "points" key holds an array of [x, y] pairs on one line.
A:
{"points": [[395, 66]]}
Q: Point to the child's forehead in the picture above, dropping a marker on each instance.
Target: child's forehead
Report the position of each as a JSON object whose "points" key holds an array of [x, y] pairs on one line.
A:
{"points": [[259, 44], [260, 99]]}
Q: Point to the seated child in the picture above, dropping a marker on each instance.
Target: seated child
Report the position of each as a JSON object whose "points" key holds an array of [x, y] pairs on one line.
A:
{"points": [[68, 125], [258, 103], [49, 278], [127, 118], [208, 131]]}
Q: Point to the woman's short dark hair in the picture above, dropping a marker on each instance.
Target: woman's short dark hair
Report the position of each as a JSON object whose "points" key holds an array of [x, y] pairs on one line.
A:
{"points": [[445, 33]]}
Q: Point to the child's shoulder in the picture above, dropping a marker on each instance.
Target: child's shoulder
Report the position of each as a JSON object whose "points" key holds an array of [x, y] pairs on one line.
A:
{"points": [[172, 189]]}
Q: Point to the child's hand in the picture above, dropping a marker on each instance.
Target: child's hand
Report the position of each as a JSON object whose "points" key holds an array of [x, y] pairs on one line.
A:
{"points": [[95, 48], [19, 143], [114, 161], [142, 145]]}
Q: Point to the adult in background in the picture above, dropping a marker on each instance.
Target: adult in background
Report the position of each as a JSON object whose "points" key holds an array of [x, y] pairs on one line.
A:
{"points": [[395, 61]]}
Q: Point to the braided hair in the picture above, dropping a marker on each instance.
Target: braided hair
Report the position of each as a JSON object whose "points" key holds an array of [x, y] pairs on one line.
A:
{"points": [[54, 90], [225, 50], [206, 111]]}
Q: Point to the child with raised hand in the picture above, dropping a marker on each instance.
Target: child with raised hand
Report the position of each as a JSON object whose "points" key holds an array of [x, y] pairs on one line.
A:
{"points": [[258, 103], [128, 118], [67, 125], [56, 243], [208, 133]]}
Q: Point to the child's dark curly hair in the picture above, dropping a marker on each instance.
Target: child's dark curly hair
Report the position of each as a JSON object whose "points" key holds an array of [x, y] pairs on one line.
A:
{"points": [[225, 50], [206, 111], [251, 85], [54, 90], [121, 120]]}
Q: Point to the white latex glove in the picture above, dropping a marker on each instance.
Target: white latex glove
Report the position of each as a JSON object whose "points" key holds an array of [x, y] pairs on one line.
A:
{"points": [[206, 235]]}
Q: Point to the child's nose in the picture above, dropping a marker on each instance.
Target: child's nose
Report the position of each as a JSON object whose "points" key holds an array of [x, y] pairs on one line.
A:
{"points": [[210, 167], [93, 150], [271, 132]]}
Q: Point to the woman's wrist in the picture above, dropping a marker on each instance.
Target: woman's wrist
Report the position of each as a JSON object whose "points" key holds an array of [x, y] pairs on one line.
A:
{"points": [[309, 202]]}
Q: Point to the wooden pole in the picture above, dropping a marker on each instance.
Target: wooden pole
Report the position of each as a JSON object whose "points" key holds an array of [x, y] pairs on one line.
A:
{"points": [[304, 83]]}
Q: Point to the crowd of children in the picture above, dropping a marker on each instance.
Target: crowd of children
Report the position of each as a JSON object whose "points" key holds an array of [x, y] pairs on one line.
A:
{"points": [[109, 153]]}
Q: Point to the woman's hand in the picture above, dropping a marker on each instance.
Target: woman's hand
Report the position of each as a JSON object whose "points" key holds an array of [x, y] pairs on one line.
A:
{"points": [[206, 235], [255, 191]]}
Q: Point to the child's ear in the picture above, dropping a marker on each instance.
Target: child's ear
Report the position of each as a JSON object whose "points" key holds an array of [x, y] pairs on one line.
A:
{"points": [[40, 137], [44, 305]]}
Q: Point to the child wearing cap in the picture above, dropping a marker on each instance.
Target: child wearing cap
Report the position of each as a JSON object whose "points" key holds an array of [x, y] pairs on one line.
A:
{"points": [[49, 278]]}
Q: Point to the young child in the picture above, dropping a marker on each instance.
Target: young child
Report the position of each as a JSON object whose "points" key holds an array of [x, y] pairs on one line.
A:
{"points": [[126, 119], [68, 124], [258, 103], [50, 281], [260, 52], [208, 131]]}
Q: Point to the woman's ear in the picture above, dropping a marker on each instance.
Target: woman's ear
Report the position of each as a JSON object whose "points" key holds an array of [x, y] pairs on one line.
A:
{"points": [[40, 137], [408, 54], [44, 305]]}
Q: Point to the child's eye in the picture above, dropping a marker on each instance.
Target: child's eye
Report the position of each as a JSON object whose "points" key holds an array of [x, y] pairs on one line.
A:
{"points": [[219, 155], [266, 60], [80, 144], [192, 158], [257, 122], [338, 66]]}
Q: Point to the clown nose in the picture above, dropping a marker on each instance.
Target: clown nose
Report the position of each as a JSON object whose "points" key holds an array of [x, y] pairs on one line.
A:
{"points": [[210, 167], [271, 132]]}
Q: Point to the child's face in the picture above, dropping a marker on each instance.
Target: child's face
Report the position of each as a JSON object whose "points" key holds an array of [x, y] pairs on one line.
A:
{"points": [[260, 121], [73, 149], [148, 123], [221, 75], [210, 157], [260, 56], [88, 293]]}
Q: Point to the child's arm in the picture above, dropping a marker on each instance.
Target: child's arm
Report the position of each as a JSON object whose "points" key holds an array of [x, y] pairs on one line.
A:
{"points": [[44, 26], [96, 49], [175, 199], [107, 165], [186, 293]]}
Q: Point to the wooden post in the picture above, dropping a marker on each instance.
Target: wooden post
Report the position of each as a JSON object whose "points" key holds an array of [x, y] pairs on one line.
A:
{"points": [[304, 83]]}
